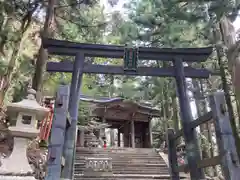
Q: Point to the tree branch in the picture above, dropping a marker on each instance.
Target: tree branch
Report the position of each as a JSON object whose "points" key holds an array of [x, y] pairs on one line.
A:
{"points": [[82, 25]]}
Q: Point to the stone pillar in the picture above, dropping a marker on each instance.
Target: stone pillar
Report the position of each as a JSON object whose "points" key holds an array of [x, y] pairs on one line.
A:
{"points": [[132, 134], [119, 138], [102, 131]]}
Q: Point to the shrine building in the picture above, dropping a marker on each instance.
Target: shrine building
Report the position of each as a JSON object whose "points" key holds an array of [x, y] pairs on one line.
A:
{"points": [[132, 120]]}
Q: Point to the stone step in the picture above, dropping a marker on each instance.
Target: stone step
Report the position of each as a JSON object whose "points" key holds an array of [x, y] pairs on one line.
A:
{"points": [[83, 156], [129, 167], [130, 163], [121, 170], [132, 160], [133, 171], [120, 154], [118, 149], [125, 169], [114, 178], [114, 154], [88, 150], [127, 163], [115, 151], [139, 161], [114, 168], [140, 171], [124, 176], [115, 158], [136, 172], [82, 164], [122, 159]]}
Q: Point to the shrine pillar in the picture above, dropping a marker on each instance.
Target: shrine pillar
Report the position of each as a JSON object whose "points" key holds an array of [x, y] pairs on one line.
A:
{"points": [[119, 138], [102, 130], [147, 135], [126, 134], [112, 137], [132, 134], [150, 133]]}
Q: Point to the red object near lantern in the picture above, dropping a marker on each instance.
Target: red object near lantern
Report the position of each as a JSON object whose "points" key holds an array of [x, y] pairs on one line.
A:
{"points": [[105, 144], [46, 124]]}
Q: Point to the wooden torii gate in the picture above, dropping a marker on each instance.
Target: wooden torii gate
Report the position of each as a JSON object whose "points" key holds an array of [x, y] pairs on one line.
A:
{"points": [[79, 50]]}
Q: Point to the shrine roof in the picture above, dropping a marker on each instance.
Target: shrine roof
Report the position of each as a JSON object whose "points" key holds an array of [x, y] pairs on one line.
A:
{"points": [[100, 100], [119, 107]]}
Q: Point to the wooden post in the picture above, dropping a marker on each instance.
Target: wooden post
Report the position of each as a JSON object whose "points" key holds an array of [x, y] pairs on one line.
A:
{"points": [[172, 155], [55, 147], [150, 134], [70, 140], [190, 136], [225, 139], [126, 134], [132, 134], [104, 121], [112, 138]]}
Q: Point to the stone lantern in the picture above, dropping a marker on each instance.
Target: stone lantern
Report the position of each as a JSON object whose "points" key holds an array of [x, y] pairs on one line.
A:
{"points": [[25, 113]]}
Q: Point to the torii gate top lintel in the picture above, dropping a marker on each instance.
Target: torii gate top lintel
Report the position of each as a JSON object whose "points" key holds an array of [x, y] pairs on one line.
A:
{"points": [[67, 48]]}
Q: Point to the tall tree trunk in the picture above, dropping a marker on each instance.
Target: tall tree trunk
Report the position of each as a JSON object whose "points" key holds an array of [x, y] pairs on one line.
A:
{"points": [[42, 55], [166, 105], [238, 111], [111, 91], [201, 110], [175, 116], [228, 35], [16, 48], [6, 78], [217, 33], [210, 131]]}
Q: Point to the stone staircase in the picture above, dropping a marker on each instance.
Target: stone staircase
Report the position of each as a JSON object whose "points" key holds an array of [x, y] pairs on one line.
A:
{"points": [[127, 163]]}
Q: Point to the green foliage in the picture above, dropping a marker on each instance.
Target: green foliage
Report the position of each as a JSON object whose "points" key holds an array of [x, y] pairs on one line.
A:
{"points": [[84, 111]]}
